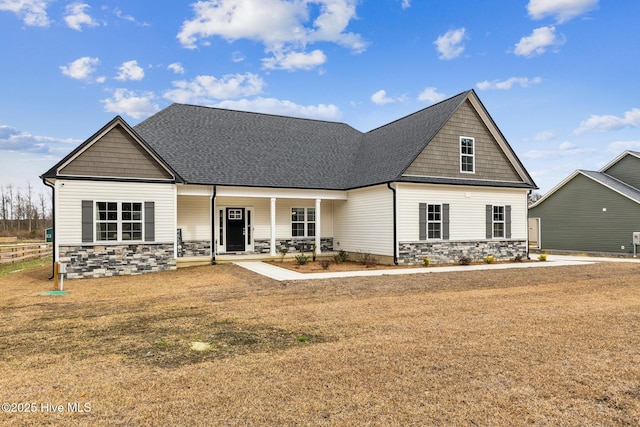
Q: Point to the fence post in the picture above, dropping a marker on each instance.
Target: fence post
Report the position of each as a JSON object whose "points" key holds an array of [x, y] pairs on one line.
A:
{"points": [[56, 276]]}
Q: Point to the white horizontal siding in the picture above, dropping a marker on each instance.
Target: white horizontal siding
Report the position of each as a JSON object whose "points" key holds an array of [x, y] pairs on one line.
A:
{"points": [[71, 193], [262, 214], [467, 209], [364, 223], [194, 218]]}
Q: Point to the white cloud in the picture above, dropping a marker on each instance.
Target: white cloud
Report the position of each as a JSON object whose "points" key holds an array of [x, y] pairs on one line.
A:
{"points": [[137, 105], [630, 118], [381, 98], [32, 12], [283, 107], [81, 68], [564, 149], [431, 95], [117, 12], [450, 44], [282, 26], [561, 10], [11, 139], [76, 16], [406, 4], [508, 84], [130, 70], [208, 89], [618, 147], [237, 56], [544, 136], [176, 67], [538, 42], [295, 60]]}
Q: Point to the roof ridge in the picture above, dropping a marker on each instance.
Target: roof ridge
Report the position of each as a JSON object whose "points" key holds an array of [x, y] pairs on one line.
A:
{"points": [[263, 114]]}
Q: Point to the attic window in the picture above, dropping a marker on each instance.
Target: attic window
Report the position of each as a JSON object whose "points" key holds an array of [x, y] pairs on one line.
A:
{"points": [[467, 155]]}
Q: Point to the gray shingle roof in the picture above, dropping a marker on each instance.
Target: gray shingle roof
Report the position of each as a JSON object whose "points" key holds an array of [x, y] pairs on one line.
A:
{"points": [[615, 184], [214, 146]]}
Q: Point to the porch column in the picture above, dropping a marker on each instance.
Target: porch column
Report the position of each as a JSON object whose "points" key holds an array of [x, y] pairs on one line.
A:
{"points": [[272, 251], [318, 230]]}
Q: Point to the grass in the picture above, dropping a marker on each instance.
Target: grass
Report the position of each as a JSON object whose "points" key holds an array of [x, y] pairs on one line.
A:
{"points": [[24, 265], [544, 346]]}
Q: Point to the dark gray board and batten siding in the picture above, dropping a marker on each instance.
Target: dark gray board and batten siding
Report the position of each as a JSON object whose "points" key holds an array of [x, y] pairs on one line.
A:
{"points": [[585, 215]]}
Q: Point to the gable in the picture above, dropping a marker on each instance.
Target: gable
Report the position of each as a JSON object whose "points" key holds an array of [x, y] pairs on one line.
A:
{"points": [[115, 154], [441, 157], [626, 169]]}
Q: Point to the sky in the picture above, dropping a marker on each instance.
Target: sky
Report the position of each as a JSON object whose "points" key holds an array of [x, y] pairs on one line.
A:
{"points": [[561, 78]]}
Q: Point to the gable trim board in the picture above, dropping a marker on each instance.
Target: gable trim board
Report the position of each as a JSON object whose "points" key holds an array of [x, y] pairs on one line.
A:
{"points": [[354, 186]]}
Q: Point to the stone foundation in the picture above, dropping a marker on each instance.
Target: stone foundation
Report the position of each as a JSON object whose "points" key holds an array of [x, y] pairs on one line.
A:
{"points": [[196, 248], [116, 260], [446, 252], [263, 246]]}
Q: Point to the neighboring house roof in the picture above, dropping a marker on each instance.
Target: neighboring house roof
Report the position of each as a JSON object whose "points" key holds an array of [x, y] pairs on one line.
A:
{"points": [[601, 178], [214, 146]]}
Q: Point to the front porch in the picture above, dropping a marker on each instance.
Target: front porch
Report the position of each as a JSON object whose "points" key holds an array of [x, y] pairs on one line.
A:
{"points": [[224, 223]]}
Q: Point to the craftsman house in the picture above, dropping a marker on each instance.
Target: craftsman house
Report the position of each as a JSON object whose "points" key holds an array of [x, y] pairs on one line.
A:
{"points": [[591, 211], [199, 184]]}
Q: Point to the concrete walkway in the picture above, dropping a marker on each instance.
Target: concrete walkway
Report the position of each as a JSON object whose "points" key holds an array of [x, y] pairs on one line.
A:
{"points": [[278, 273]]}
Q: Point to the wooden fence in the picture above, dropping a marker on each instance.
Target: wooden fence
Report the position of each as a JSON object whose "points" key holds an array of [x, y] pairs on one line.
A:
{"points": [[10, 254]]}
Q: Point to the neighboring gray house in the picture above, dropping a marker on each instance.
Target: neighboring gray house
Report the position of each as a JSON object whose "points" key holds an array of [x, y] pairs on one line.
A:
{"points": [[591, 211], [195, 184]]}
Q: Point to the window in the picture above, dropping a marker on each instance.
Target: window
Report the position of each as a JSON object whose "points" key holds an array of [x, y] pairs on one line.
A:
{"points": [[118, 221], [235, 214], [467, 155], [303, 222], [434, 221], [498, 222]]}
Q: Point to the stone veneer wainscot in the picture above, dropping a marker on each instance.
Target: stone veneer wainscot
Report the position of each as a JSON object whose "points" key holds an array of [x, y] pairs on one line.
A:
{"points": [[88, 261], [446, 252]]}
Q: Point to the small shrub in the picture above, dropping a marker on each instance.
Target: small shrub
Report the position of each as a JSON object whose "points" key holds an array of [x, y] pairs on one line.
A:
{"points": [[542, 257], [302, 338], [426, 261], [340, 257], [368, 260], [302, 259], [283, 253], [518, 258], [464, 260], [490, 259], [324, 264]]}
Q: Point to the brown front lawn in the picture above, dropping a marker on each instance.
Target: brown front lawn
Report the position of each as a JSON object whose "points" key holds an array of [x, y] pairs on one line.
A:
{"points": [[543, 346]]}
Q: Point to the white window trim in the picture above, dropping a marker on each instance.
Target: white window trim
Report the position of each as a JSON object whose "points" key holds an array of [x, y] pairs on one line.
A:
{"points": [[473, 155], [494, 222], [119, 222], [434, 222], [305, 221]]}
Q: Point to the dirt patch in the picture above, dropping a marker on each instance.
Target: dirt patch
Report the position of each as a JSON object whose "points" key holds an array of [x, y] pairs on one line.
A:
{"points": [[544, 346]]}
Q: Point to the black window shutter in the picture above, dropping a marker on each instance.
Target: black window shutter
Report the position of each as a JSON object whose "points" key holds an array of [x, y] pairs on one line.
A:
{"points": [[87, 221], [489, 220], [423, 221], [149, 222], [507, 221], [445, 221]]}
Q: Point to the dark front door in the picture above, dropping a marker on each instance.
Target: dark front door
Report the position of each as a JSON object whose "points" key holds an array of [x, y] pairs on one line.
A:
{"points": [[235, 229]]}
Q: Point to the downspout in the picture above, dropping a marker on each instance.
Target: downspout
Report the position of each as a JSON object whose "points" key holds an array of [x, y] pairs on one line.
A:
{"points": [[53, 227], [527, 210], [214, 244], [395, 226]]}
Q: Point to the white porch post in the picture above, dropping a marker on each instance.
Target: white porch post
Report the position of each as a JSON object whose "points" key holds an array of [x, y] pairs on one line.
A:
{"points": [[272, 251], [318, 228]]}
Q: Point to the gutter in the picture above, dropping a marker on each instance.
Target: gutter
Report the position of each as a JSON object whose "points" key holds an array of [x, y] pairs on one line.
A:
{"points": [[395, 226], [53, 227], [213, 226]]}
